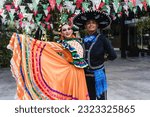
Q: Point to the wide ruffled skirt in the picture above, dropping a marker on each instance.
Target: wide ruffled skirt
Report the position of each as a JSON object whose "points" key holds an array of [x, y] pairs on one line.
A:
{"points": [[41, 73]]}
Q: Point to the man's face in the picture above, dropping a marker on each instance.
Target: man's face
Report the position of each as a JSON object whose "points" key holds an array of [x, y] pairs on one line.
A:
{"points": [[66, 31], [91, 26]]}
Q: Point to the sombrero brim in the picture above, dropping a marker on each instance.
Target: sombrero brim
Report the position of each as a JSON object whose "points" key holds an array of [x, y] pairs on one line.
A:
{"points": [[102, 19]]}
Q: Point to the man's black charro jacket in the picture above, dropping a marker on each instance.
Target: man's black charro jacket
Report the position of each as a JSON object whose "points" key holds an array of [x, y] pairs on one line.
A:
{"points": [[94, 55]]}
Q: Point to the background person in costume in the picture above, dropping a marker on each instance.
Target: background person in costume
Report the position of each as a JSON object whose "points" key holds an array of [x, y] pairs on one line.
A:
{"points": [[40, 71], [97, 47]]}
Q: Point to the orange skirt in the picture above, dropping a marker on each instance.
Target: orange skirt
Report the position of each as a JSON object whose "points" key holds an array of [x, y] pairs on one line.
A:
{"points": [[41, 73]]}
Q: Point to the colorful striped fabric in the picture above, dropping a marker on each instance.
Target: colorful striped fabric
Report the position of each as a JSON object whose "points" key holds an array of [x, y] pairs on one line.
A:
{"points": [[41, 73]]}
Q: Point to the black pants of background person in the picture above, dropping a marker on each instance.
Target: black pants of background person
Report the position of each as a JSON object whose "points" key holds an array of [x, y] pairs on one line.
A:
{"points": [[91, 89]]}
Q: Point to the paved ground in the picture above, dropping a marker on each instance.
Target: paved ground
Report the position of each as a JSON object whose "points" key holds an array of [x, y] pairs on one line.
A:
{"points": [[7, 84], [128, 79]]}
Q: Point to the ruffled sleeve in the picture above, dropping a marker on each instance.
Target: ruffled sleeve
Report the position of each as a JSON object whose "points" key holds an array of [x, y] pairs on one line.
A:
{"points": [[72, 45]]}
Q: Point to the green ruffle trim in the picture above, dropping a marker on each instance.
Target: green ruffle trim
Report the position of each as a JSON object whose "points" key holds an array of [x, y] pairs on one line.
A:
{"points": [[77, 61]]}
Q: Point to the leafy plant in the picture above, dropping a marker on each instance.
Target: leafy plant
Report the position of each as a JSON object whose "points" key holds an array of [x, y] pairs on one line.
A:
{"points": [[5, 35], [143, 26]]}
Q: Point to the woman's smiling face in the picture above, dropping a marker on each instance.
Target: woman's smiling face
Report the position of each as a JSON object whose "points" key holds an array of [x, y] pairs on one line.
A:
{"points": [[66, 31]]}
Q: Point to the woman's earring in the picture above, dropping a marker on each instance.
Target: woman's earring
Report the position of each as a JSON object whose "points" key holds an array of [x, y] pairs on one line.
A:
{"points": [[44, 36]]}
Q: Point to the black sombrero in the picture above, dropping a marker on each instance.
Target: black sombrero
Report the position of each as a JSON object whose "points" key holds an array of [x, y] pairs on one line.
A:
{"points": [[102, 19]]}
